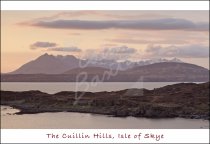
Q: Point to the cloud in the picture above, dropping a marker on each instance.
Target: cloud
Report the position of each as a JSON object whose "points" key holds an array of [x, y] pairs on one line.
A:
{"points": [[50, 46], [119, 50], [189, 51], [145, 41], [111, 53], [39, 44], [99, 14], [66, 49], [154, 24]]}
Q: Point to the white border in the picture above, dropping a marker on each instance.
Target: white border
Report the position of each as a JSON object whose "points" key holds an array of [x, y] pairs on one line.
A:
{"points": [[39, 135], [169, 135], [105, 5]]}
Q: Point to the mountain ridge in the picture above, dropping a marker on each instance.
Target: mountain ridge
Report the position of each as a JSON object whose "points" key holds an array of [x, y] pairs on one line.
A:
{"points": [[49, 68], [158, 72], [46, 64], [50, 64]]}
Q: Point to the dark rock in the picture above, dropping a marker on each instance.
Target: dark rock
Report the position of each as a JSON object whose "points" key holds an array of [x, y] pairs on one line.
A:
{"points": [[187, 100]]}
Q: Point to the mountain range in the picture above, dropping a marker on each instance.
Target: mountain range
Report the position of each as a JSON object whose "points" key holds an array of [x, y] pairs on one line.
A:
{"points": [[49, 64], [49, 68]]}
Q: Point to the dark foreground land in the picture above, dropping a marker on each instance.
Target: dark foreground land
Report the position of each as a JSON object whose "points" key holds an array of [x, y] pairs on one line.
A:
{"points": [[187, 100]]}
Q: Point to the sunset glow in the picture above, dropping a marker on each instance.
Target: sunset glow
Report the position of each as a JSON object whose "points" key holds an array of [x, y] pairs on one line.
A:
{"points": [[134, 35]]}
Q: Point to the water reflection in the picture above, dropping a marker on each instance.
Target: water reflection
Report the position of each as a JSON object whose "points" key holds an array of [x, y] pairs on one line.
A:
{"points": [[65, 120]]}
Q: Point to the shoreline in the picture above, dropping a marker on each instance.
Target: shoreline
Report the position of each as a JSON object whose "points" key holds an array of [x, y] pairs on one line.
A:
{"points": [[184, 100], [22, 112]]}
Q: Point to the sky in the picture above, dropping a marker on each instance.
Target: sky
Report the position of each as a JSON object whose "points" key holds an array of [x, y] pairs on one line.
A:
{"points": [[116, 35]]}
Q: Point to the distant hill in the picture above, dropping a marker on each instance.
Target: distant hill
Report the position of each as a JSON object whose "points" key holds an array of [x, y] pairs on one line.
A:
{"points": [[158, 72], [88, 70], [169, 71]]}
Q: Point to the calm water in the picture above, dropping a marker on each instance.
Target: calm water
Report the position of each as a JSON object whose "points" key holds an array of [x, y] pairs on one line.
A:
{"points": [[83, 86], [80, 120]]}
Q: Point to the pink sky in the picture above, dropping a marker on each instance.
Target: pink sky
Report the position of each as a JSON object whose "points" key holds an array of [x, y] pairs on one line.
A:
{"points": [[139, 35]]}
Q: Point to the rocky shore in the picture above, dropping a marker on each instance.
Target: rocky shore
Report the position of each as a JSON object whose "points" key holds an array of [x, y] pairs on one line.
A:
{"points": [[187, 100]]}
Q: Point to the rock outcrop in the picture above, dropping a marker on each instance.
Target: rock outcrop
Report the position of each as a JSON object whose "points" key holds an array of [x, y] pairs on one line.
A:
{"points": [[188, 100]]}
